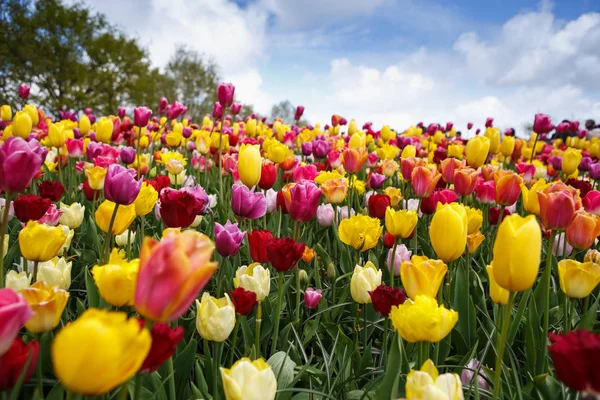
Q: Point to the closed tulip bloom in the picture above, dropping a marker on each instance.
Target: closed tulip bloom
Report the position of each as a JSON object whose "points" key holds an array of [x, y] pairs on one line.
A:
{"points": [[378, 204], [268, 176], [228, 238], [591, 202], [394, 194], [145, 200], [542, 124], [376, 180], [48, 303], [39, 242], [56, 136], [335, 190], [17, 280], [353, 159], [577, 280], [6, 113], [422, 276], [171, 274], [164, 342], [407, 165], [507, 146], [448, 167], [13, 363], [125, 238], [56, 272], [116, 280], [325, 214], [256, 241], [179, 208], [215, 318], [517, 251], [225, 92], [85, 125], [96, 177], [277, 152], [304, 200], [428, 384], [494, 135], [249, 380], [99, 339], [364, 280], [125, 216], [254, 278], [571, 160], [120, 185], [558, 205], [19, 163], [449, 221], [312, 297], [485, 191], [498, 294], [22, 125], [477, 150], [141, 115], [424, 180], [284, 253], [583, 230], [423, 320], [400, 223], [360, 232], [104, 130], [531, 203], [508, 187], [249, 164], [14, 312], [246, 203]]}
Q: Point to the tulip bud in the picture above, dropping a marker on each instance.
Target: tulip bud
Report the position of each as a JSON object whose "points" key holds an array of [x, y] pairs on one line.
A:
{"points": [[303, 278], [331, 271]]}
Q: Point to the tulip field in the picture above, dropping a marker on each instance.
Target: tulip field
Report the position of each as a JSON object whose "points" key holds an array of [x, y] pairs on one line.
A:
{"points": [[155, 255]]}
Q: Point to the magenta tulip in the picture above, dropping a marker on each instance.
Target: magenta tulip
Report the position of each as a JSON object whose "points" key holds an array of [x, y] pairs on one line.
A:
{"points": [[542, 124], [246, 203], [120, 185], [228, 239], [225, 93], [312, 297], [141, 115], [24, 91], [14, 312], [305, 197], [19, 163]]}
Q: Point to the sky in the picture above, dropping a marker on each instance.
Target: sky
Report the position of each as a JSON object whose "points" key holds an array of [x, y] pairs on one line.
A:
{"points": [[395, 62]]}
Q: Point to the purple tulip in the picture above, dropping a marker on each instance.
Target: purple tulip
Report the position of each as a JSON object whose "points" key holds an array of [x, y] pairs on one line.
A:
{"points": [[305, 200], [175, 110], [19, 163], [469, 125], [556, 162], [312, 297], [307, 148], [595, 171], [325, 214], [246, 203], [228, 239], [320, 148], [200, 194], [489, 122], [217, 110], [563, 127], [121, 112], [376, 180], [236, 108], [449, 126], [299, 112], [467, 375], [52, 216], [225, 93], [24, 91], [120, 185], [162, 105], [127, 155], [585, 163], [542, 123], [141, 115], [402, 254], [432, 129], [187, 132]]}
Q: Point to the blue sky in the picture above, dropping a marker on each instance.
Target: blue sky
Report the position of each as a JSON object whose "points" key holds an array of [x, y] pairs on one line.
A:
{"points": [[393, 62]]}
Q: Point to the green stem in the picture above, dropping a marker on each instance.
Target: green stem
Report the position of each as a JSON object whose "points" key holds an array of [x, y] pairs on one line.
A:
{"points": [[38, 368], [386, 327], [171, 373], [35, 270], [547, 276], [502, 344], [139, 380], [277, 312], [258, 324], [423, 353], [392, 268], [124, 391], [234, 339], [109, 234], [537, 135], [3, 228], [216, 365], [128, 244], [364, 327], [416, 245]]}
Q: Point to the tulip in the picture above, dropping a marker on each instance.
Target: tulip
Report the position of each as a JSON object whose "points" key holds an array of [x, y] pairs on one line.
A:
{"points": [[30, 207], [485, 191], [571, 161], [542, 124], [179, 208], [449, 220], [422, 320], [401, 255], [145, 200], [304, 200], [51, 216], [312, 297], [52, 190], [247, 204], [364, 280], [424, 181], [123, 219], [97, 339], [508, 187], [474, 219], [254, 278], [284, 253], [278, 152], [141, 115], [215, 318], [47, 303], [325, 214], [268, 176], [360, 232], [40, 242], [116, 280], [22, 125], [558, 204], [120, 185], [394, 194], [531, 202], [583, 230], [243, 300], [498, 294], [56, 272], [14, 312], [127, 155], [517, 252], [228, 239], [335, 190], [256, 241], [225, 92], [249, 380], [400, 223], [19, 163], [171, 274], [468, 374], [422, 276], [164, 343], [477, 151], [591, 202], [249, 165], [96, 177], [526, 171], [125, 238], [448, 167], [17, 280], [378, 203], [104, 130], [577, 280], [507, 146], [6, 113], [427, 383], [385, 297], [13, 363], [353, 159], [376, 180]]}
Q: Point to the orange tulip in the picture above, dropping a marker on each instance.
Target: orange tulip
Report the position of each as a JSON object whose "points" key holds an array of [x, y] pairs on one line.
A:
{"points": [[354, 159], [407, 165], [488, 172], [582, 231], [465, 180], [449, 166], [424, 180], [558, 205], [508, 187]]}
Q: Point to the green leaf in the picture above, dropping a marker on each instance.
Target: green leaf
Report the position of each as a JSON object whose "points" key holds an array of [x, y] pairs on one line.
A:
{"points": [[283, 367], [464, 306], [548, 387], [392, 371], [182, 365], [366, 360], [589, 318], [57, 393], [92, 291]]}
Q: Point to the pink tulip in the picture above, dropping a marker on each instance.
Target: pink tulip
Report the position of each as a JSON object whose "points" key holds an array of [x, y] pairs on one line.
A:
{"points": [[299, 112], [526, 170], [305, 197], [228, 239], [141, 115], [312, 297], [52, 216], [24, 91], [247, 203], [162, 105], [75, 147], [305, 172], [19, 163], [402, 254], [225, 92], [217, 110], [120, 185], [121, 112], [236, 108], [14, 312], [591, 202], [542, 124], [486, 191]]}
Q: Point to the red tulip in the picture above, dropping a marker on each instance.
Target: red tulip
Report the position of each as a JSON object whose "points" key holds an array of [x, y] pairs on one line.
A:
{"points": [[378, 203], [164, 343], [243, 300], [284, 253], [52, 190], [558, 205], [30, 207], [256, 241], [12, 363], [268, 176], [384, 297], [575, 356]]}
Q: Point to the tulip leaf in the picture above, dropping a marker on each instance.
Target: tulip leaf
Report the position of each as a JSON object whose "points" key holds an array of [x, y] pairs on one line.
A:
{"points": [[589, 318], [387, 389], [92, 291], [517, 319], [183, 364], [57, 393], [463, 304], [366, 360], [548, 387], [283, 367]]}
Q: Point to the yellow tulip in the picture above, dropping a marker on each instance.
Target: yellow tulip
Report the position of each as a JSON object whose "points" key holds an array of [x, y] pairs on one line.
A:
{"points": [[116, 280], [217, 138], [85, 125], [388, 152], [400, 223], [360, 231], [359, 186], [507, 146], [422, 276], [278, 152], [357, 140], [255, 278], [517, 252], [327, 175], [335, 190], [577, 280], [497, 293], [249, 164], [17, 280], [5, 113], [394, 194], [428, 384], [215, 318], [493, 134], [409, 151], [124, 218], [249, 380], [96, 176], [448, 231], [389, 167], [474, 240], [33, 113], [423, 320], [22, 125], [571, 160], [364, 280], [48, 303], [531, 202], [40, 242], [455, 150], [477, 151], [72, 215], [386, 133], [56, 272], [56, 136], [474, 219], [5, 248], [145, 200], [99, 351]]}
